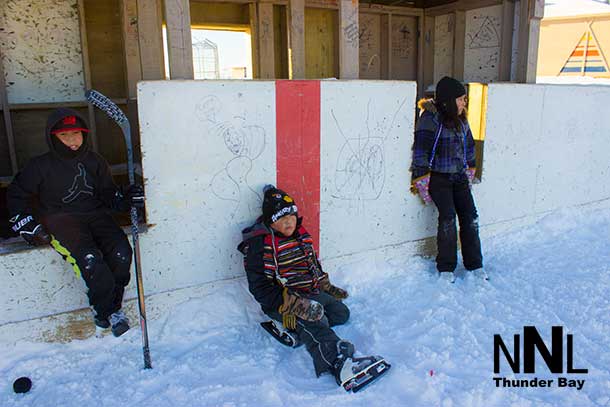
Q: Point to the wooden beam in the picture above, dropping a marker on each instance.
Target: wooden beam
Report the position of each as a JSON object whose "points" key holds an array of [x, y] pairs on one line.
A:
{"points": [[8, 124], [459, 41], [266, 43], [420, 57], [506, 44], [179, 41], [463, 5], [131, 48], [296, 29], [150, 38], [386, 46], [254, 39], [531, 13], [348, 39], [428, 52], [87, 73]]}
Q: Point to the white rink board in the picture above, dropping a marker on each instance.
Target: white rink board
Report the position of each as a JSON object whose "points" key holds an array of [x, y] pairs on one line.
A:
{"points": [[208, 149], [366, 136]]}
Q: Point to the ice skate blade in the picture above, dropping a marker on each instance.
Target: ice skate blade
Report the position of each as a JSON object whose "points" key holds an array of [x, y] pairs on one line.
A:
{"points": [[367, 376]]}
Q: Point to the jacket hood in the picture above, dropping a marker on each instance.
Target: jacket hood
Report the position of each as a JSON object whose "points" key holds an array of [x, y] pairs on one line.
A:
{"points": [[55, 117], [427, 104], [258, 229]]}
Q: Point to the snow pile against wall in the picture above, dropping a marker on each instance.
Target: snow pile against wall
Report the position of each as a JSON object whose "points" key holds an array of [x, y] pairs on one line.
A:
{"points": [[342, 148]]}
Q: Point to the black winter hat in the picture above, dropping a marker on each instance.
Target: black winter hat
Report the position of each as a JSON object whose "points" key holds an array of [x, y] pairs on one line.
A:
{"points": [[277, 204], [448, 89]]}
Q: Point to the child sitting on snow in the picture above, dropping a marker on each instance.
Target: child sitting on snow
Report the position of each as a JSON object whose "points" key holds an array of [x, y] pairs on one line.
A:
{"points": [[286, 278]]}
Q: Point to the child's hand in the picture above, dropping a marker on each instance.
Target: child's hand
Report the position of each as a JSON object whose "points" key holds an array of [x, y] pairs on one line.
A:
{"points": [[327, 287], [297, 307], [420, 186], [30, 230], [470, 174]]}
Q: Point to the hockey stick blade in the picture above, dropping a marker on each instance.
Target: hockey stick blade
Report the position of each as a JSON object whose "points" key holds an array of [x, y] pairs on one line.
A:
{"points": [[108, 106]]}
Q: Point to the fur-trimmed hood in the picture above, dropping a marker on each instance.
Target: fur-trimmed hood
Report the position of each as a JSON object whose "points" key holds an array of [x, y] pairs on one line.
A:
{"points": [[427, 104]]}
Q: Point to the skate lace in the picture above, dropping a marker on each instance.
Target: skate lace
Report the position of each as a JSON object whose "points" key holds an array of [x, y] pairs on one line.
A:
{"points": [[117, 318]]}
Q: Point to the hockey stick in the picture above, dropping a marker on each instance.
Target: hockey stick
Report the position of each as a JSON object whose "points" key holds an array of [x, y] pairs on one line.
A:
{"points": [[112, 110]]}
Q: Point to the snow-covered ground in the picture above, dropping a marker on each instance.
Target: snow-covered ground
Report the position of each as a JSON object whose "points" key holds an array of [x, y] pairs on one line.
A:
{"points": [[210, 351]]}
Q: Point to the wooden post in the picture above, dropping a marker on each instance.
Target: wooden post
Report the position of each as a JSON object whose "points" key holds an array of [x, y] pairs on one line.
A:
{"points": [[348, 39], [296, 28], [150, 38], [506, 44], [420, 56], [254, 40], [428, 52], [179, 41], [266, 44], [459, 47], [87, 73], [8, 124], [531, 13], [386, 46], [131, 48]]}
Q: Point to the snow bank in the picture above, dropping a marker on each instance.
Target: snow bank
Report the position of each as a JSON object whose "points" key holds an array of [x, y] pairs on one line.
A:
{"points": [[209, 351]]}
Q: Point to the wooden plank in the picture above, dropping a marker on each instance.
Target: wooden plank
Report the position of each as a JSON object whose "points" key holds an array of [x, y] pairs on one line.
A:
{"points": [[506, 42], [281, 41], [266, 44], [463, 5], [348, 39], [370, 54], [55, 105], [131, 47], [529, 36], [87, 72], [321, 55], [204, 15], [253, 12], [7, 120], [150, 37], [420, 57], [179, 41], [386, 46], [459, 48], [428, 52], [404, 48], [382, 9], [296, 30]]}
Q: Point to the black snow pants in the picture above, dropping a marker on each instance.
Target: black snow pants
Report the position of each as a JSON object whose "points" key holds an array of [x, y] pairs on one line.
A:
{"points": [[318, 337], [98, 251], [451, 195]]}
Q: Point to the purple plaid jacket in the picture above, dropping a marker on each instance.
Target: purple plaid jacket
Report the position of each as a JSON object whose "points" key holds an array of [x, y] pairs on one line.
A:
{"points": [[454, 150]]}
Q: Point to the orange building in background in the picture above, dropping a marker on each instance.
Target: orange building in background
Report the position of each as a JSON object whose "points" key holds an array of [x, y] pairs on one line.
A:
{"points": [[575, 40]]}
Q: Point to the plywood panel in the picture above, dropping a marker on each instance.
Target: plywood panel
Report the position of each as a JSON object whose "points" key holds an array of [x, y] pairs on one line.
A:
{"points": [[370, 46], [218, 14], [482, 44], [5, 158], [404, 47], [321, 52], [280, 35], [444, 32], [106, 56], [41, 50]]}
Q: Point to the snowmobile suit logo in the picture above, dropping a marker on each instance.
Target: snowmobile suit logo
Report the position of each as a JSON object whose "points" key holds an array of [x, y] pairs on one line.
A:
{"points": [[79, 185]]}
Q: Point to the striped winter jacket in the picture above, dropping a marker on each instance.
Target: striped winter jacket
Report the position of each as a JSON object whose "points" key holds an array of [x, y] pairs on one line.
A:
{"points": [[274, 261]]}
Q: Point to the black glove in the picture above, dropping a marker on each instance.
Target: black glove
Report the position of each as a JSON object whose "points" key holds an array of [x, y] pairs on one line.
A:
{"points": [[126, 197], [30, 230]]}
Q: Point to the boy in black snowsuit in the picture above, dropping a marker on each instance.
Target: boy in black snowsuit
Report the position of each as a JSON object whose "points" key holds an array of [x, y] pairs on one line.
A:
{"points": [[286, 278], [63, 198]]}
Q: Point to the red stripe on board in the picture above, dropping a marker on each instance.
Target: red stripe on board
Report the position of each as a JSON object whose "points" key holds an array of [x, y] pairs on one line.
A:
{"points": [[297, 118]]}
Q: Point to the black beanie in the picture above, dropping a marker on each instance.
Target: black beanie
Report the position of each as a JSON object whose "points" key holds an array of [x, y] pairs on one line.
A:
{"points": [[448, 89], [277, 204]]}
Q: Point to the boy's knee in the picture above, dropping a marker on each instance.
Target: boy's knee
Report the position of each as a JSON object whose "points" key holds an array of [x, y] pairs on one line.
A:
{"points": [[340, 315]]}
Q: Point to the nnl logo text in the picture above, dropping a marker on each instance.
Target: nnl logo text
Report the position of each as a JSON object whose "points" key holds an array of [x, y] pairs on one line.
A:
{"points": [[532, 342]]}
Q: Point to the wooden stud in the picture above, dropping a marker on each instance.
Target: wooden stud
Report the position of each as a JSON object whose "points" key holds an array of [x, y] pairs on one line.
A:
{"points": [[254, 39], [179, 41], [348, 39], [459, 47], [428, 52], [131, 48], [150, 39], [529, 36], [463, 5], [266, 42], [385, 50], [506, 44], [296, 28], [87, 73], [8, 124], [420, 57]]}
